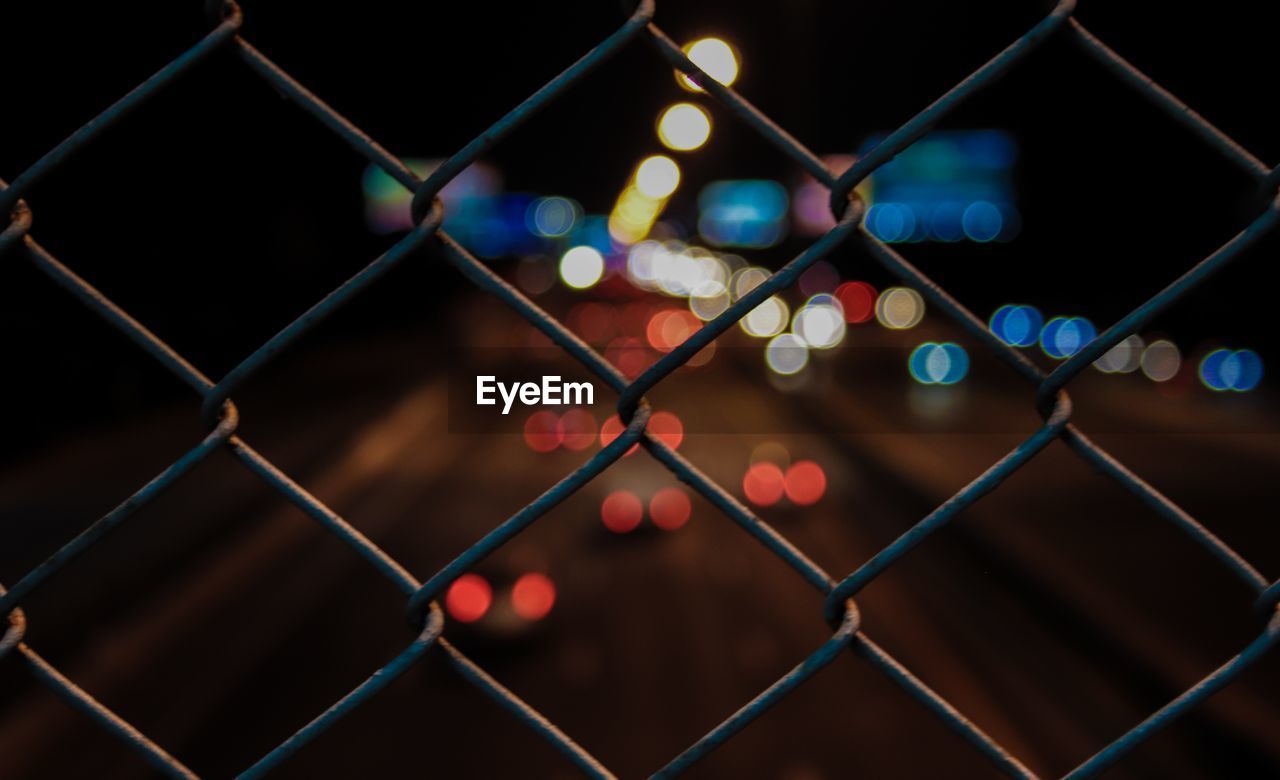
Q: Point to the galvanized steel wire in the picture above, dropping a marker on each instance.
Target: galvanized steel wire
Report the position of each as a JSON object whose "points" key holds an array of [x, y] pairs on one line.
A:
{"points": [[841, 613]]}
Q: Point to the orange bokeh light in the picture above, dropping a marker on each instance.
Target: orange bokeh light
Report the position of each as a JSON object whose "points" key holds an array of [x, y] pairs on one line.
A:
{"points": [[670, 327]]}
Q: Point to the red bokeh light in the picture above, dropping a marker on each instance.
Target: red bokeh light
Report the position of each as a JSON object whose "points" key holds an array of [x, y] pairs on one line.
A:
{"points": [[536, 339], [611, 429], [666, 428], [621, 512], [629, 355], [635, 317], [858, 300], [763, 484], [468, 598], [542, 431], [820, 277], [805, 483], [669, 509], [533, 595], [577, 429], [593, 322]]}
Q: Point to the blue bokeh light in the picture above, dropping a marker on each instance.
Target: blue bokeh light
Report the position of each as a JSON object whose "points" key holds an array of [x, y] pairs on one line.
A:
{"points": [[945, 224], [950, 185], [552, 217], [593, 231], [1017, 325], [1237, 370], [742, 212], [1211, 370], [1249, 372], [982, 221], [938, 364], [890, 222], [1063, 337]]}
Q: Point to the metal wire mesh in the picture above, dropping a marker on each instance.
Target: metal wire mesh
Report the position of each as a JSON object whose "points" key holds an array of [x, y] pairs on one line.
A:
{"points": [[842, 614]]}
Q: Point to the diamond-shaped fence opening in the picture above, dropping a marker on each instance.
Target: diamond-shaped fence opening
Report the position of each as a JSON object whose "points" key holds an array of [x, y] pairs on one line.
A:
{"points": [[1049, 392]]}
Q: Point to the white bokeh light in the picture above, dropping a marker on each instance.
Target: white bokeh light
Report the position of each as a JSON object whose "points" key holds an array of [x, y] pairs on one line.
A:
{"points": [[820, 325], [657, 176], [716, 58], [709, 300], [747, 279], [1161, 360], [684, 127], [766, 320], [1123, 358], [786, 354], [581, 267]]}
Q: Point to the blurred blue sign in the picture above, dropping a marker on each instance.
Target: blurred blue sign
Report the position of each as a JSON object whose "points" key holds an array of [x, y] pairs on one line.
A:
{"points": [[745, 212], [948, 186]]}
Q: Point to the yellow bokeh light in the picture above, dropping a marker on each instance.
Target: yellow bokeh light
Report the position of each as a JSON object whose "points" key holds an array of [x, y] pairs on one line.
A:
{"points": [[716, 58], [658, 176], [635, 205], [684, 127], [633, 215]]}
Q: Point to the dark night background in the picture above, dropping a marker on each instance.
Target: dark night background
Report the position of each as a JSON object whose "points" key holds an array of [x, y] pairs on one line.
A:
{"points": [[218, 212]]}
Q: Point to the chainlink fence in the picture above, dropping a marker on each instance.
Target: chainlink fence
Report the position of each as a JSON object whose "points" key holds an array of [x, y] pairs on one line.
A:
{"points": [[841, 611]]}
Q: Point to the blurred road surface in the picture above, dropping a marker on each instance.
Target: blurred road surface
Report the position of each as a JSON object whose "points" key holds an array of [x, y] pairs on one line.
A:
{"points": [[1056, 613]]}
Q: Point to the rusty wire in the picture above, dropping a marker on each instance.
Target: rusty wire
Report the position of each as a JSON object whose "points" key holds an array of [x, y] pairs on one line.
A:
{"points": [[841, 612]]}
